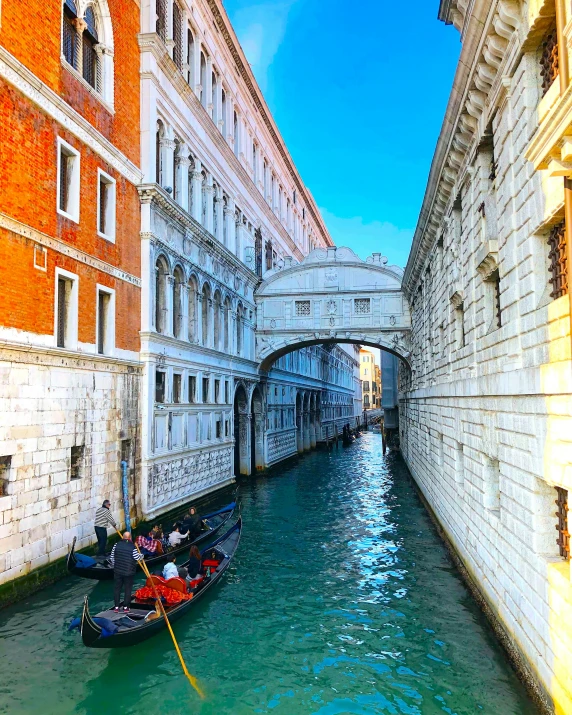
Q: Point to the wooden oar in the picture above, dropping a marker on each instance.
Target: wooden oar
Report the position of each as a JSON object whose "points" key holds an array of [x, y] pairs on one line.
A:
{"points": [[192, 680]]}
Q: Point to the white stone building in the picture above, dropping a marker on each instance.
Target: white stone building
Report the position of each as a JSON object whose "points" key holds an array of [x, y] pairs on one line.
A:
{"points": [[485, 414], [222, 207]]}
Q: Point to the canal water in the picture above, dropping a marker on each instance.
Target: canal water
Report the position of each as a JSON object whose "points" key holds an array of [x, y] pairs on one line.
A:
{"points": [[341, 599]]}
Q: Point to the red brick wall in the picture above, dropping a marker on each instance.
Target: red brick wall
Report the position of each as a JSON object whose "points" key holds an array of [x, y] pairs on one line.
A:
{"points": [[28, 174]]}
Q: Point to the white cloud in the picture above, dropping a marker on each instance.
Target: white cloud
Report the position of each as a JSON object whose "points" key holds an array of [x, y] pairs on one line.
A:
{"points": [[261, 29], [366, 238]]}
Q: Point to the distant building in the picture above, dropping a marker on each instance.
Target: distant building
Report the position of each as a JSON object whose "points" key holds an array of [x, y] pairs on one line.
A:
{"points": [[370, 380]]}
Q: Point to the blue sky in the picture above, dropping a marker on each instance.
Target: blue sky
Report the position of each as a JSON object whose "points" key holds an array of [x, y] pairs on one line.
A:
{"points": [[359, 92]]}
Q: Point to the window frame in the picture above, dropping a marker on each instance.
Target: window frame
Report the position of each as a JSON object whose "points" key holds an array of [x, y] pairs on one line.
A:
{"points": [[74, 194], [71, 327], [109, 338], [105, 178]]}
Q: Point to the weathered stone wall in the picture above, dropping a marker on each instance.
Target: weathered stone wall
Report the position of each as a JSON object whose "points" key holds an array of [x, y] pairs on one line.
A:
{"points": [[485, 414]]}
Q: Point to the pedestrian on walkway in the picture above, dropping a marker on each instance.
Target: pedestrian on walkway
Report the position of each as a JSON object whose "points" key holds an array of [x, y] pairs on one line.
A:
{"points": [[124, 558], [103, 519]]}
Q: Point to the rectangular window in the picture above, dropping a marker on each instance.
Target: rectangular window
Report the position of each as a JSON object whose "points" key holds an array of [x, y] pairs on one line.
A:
{"points": [[218, 427], [66, 310], [106, 206], [460, 325], [557, 258], [69, 38], [192, 389], [226, 392], [105, 321], [563, 540], [178, 36], [226, 428], [76, 462], [362, 306], [177, 381], [160, 380], [205, 389], [302, 308], [366, 386], [5, 464], [68, 181], [217, 391]]}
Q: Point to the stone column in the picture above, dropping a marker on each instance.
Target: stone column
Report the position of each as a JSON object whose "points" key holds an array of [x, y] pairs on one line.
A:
{"points": [[182, 168], [170, 281], [312, 428], [209, 87], [299, 434], [199, 318], [196, 71], [210, 322], [306, 431], [244, 443], [236, 248], [218, 120], [228, 218], [197, 179], [185, 311], [167, 155], [232, 337], [219, 207]]}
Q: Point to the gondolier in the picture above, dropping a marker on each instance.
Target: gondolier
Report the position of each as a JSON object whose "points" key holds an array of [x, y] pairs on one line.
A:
{"points": [[103, 520], [124, 558]]}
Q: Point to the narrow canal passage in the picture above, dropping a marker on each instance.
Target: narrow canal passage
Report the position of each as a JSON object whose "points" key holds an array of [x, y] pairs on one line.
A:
{"points": [[341, 599]]}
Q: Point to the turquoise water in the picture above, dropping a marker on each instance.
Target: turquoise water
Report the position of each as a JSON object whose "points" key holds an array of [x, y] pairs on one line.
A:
{"points": [[341, 599]]}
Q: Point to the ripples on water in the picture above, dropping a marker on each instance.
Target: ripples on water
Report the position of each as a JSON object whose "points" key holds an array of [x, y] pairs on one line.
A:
{"points": [[340, 600]]}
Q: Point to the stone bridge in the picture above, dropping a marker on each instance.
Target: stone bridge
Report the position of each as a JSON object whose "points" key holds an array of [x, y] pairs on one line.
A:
{"points": [[332, 296]]}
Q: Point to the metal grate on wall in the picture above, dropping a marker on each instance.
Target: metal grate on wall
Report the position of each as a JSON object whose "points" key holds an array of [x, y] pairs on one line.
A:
{"points": [[558, 264], [549, 60], [563, 539]]}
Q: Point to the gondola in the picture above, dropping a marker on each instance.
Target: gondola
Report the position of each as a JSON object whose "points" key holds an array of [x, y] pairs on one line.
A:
{"points": [[136, 627], [103, 571]]}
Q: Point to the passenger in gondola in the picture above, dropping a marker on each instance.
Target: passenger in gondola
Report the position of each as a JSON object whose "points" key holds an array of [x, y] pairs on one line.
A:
{"points": [[124, 558], [148, 545], [170, 569], [194, 565], [192, 523], [175, 537]]}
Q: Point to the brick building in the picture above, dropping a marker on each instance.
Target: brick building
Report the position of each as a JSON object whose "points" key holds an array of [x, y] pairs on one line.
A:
{"points": [[69, 270]]}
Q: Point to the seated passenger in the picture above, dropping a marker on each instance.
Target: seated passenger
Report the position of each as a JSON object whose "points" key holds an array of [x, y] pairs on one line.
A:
{"points": [[148, 545], [194, 565], [192, 522], [175, 537], [170, 569]]}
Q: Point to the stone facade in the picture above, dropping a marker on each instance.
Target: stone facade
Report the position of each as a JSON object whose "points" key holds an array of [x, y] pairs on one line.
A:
{"points": [[69, 270], [485, 412]]}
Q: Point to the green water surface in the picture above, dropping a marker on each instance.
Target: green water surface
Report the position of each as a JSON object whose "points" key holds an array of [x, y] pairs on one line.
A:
{"points": [[341, 599]]}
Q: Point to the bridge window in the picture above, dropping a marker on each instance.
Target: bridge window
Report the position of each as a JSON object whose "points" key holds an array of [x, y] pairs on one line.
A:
{"points": [[557, 257], [362, 306], [302, 308]]}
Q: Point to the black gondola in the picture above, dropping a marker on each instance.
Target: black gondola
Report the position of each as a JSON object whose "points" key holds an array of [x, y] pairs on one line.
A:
{"points": [[103, 571], [140, 629]]}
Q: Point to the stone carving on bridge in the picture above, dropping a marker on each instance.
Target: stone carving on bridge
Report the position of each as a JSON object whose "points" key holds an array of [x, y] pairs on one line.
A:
{"points": [[332, 295]]}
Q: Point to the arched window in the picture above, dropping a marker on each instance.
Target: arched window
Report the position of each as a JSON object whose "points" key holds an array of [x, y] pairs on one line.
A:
{"points": [[69, 37], [226, 316], [203, 96], [161, 273], [206, 295], [190, 57], [223, 112], [176, 172], [254, 163], [214, 82], [90, 64], [178, 283], [177, 36], [161, 23], [193, 310], [239, 329], [235, 134], [159, 138], [217, 320]]}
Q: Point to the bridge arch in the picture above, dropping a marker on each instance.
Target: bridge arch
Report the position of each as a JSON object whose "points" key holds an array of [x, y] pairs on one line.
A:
{"points": [[332, 296]]}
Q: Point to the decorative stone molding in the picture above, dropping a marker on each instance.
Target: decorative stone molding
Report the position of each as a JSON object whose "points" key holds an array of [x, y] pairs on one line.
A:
{"points": [[487, 259], [457, 297]]}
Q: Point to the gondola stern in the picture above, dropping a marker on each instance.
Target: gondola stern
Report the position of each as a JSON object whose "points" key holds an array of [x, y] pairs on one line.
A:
{"points": [[90, 631]]}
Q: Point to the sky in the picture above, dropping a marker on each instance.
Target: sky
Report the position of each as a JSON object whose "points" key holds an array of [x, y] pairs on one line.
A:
{"points": [[359, 92]]}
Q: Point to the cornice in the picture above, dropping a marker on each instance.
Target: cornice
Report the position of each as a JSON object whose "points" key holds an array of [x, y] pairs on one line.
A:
{"points": [[223, 24], [78, 360], [16, 74], [55, 244], [546, 143]]}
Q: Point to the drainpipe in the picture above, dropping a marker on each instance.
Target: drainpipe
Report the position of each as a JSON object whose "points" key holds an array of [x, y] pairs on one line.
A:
{"points": [[564, 76], [125, 491]]}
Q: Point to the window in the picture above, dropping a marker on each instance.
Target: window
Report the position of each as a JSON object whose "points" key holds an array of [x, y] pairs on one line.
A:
{"points": [[190, 56], [217, 391], [460, 325], [366, 400], [192, 389], [160, 380], [302, 308], [563, 540], [66, 309], [235, 134], [218, 429], [177, 381], [226, 428], [105, 320], [206, 389], [557, 258], [177, 36], [161, 23], [254, 163], [549, 60], [68, 181], [69, 36], [492, 484], [203, 96], [5, 464], [227, 392], [76, 462], [362, 306], [90, 62], [366, 386], [105, 206], [269, 256], [494, 283]]}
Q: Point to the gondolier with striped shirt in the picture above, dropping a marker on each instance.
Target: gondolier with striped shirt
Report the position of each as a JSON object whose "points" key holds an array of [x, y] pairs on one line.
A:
{"points": [[124, 558], [103, 520]]}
